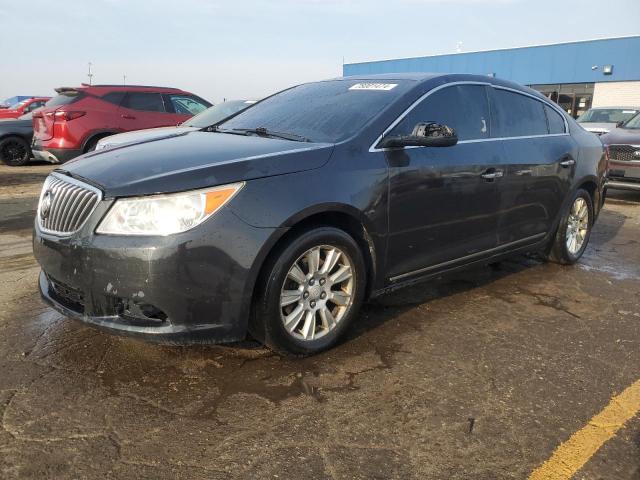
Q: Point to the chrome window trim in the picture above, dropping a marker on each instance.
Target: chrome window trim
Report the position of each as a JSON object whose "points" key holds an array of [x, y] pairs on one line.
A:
{"points": [[373, 149], [623, 145], [77, 183]]}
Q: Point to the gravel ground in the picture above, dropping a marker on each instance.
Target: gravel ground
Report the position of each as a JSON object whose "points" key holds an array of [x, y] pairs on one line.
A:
{"points": [[480, 375]]}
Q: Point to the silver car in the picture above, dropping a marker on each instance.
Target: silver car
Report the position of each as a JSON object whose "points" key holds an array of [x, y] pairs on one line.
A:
{"points": [[601, 120]]}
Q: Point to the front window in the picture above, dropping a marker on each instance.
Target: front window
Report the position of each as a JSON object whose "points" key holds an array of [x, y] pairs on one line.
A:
{"points": [[329, 111], [607, 115]]}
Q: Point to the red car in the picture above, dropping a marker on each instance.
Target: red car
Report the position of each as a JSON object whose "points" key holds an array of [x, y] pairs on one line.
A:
{"points": [[23, 107], [72, 123]]}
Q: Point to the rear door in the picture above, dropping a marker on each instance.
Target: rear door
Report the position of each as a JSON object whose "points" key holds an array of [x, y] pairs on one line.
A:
{"points": [[143, 110], [539, 163], [444, 202]]}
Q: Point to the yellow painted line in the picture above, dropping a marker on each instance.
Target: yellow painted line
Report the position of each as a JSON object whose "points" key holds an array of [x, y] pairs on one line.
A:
{"points": [[571, 455]]}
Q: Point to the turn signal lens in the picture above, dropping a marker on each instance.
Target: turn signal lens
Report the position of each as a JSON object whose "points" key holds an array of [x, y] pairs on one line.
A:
{"points": [[165, 214]]}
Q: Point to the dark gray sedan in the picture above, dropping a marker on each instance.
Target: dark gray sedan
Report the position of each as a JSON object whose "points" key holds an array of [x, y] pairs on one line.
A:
{"points": [[283, 219]]}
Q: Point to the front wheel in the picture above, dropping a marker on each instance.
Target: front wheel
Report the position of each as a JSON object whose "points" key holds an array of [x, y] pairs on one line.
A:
{"points": [[574, 230], [310, 292]]}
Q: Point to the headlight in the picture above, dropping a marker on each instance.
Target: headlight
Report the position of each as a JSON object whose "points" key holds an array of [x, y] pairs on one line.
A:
{"points": [[165, 214]]}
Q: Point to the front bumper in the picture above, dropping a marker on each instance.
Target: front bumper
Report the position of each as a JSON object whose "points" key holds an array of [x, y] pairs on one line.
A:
{"points": [[624, 175], [187, 288]]}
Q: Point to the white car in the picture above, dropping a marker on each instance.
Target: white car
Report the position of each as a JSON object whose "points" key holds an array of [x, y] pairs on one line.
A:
{"points": [[601, 120], [204, 119]]}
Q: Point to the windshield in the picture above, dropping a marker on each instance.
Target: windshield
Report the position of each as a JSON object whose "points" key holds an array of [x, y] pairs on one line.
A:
{"points": [[607, 115], [329, 111], [217, 113], [633, 123]]}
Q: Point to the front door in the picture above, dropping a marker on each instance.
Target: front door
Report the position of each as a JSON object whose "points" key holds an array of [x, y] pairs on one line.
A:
{"points": [[444, 202]]}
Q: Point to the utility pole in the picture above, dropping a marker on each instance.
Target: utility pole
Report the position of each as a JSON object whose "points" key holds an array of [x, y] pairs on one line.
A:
{"points": [[124, 79], [90, 74]]}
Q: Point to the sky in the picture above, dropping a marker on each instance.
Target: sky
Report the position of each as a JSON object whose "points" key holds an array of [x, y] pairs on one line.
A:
{"points": [[251, 48]]}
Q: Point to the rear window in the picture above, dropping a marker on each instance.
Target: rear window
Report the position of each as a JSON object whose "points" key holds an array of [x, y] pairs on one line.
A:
{"points": [[114, 97], [556, 122], [144, 101], [65, 98], [517, 115]]}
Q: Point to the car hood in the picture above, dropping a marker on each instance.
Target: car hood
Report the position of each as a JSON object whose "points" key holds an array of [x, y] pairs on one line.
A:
{"points": [[598, 127], [193, 160], [624, 136], [136, 136]]}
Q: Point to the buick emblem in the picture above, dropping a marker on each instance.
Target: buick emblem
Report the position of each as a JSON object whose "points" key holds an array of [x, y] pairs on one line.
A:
{"points": [[636, 153], [45, 206]]}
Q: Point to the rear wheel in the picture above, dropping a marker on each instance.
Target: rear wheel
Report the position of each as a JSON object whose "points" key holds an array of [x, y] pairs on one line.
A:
{"points": [[574, 230], [14, 151], [310, 293]]}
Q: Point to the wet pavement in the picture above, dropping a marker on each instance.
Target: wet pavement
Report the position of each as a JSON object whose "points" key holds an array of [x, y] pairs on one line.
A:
{"points": [[480, 376]]}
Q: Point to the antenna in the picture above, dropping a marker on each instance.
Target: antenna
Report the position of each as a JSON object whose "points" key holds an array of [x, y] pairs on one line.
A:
{"points": [[90, 74], [124, 79]]}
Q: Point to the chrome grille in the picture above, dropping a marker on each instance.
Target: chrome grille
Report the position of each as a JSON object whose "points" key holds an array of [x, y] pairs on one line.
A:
{"points": [[65, 204], [624, 153]]}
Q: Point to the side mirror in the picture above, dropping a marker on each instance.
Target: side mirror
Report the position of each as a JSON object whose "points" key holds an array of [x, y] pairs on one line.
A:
{"points": [[620, 123], [428, 134]]}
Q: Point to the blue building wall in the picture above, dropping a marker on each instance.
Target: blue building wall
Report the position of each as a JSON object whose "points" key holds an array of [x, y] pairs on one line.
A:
{"points": [[545, 64]]}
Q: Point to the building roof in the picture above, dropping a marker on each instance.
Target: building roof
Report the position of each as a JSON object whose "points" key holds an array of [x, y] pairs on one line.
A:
{"points": [[571, 62]]}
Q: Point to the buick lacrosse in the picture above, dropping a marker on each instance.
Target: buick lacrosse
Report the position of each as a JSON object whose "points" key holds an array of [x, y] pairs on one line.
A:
{"points": [[281, 220]]}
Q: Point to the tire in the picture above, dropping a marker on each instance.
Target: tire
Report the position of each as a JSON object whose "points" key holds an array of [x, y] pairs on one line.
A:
{"points": [[15, 151], [313, 321], [562, 250]]}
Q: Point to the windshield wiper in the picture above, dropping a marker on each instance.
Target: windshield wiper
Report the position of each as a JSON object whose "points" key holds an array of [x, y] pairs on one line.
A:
{"points": [[263, 132], [216, 129]]}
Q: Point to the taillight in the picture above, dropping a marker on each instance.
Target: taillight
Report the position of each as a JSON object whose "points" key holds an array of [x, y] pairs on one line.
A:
{"points": [[66, 116]]}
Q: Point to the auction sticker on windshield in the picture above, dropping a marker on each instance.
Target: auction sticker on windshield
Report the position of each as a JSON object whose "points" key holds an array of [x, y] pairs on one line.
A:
{"points": [[373, 86]]}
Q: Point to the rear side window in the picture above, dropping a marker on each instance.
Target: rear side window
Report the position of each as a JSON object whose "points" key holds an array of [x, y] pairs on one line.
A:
{"points": [[146, 102], [465, 108], [186, 104], [517, 115], [114, 97], [556, 122], [65, 98]]}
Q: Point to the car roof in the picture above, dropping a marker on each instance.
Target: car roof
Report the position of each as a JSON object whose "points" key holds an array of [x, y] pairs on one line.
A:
{"points": [[119, 88], [424, 77]]}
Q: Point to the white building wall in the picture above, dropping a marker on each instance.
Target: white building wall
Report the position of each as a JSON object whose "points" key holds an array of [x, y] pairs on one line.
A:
{"points": [[611, 94]]}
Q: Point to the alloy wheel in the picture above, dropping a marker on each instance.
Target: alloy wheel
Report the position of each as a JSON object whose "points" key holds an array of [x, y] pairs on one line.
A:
{"points": [[317, 292], [577, 225]]}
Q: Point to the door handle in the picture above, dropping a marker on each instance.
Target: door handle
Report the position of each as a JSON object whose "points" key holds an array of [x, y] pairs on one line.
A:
{"points": [[492, 175], [128, 117], [567, 161]]}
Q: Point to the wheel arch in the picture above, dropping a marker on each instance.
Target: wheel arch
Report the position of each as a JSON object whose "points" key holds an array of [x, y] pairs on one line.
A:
{"points": [[590, 185], [97, 135], [344, 217]]}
